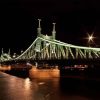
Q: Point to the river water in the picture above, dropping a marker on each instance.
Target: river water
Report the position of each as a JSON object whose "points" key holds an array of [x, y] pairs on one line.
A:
{"points": [[16, 88]]}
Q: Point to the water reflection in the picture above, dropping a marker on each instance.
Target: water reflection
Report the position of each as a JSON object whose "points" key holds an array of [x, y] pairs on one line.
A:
{"points": [[41, 83], [14, 88], [27, 84]]}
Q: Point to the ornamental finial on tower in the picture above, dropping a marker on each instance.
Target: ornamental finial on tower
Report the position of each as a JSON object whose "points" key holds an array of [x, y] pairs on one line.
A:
{"points": [[9, 51], [39, 23], [54, 31], [2, 51], [39, 28]]}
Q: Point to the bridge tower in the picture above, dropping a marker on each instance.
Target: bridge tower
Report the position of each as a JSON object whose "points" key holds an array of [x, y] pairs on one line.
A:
{"points": [[39, 34], [52, 37]]}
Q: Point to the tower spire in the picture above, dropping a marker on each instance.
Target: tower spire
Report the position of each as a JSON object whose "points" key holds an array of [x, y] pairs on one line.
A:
{"points": [[39, 28], [2, 51], [9, 51], [54, 31]]}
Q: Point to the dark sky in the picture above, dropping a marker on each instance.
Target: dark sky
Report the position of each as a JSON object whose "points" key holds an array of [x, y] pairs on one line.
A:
{"points": [[74, 18]]}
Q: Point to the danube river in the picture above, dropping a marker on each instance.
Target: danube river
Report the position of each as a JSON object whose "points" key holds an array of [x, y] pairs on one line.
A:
{"points": [[16, 88]]}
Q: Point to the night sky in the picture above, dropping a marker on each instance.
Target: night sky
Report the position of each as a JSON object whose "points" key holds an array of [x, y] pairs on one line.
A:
{"points": [[74, 18]]}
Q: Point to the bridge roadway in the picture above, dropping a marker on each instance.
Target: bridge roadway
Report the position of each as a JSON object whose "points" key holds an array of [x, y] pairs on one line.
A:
{"points": [[92, 72], [59, 62]]}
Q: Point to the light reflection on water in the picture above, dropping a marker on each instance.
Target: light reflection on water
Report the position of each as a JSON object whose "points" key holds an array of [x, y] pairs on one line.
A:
{"points": [[27, 84], [14, 88]]}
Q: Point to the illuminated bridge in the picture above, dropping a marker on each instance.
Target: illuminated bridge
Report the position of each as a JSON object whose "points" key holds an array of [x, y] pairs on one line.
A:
{"points": [[48, 48]]}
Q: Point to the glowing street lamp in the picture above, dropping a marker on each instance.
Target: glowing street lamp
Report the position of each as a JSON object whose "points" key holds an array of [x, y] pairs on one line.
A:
{"points": [[90, 39]]}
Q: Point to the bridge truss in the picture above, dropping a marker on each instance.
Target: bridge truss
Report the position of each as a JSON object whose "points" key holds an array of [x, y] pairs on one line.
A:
{"points": [[47, 48]]}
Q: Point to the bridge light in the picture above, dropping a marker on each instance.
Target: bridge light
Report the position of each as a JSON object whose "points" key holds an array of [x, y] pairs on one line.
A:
{"points": [[47, 37], [21, 51], [14, 55], [47, 44], [37, 50], [53, 51]]}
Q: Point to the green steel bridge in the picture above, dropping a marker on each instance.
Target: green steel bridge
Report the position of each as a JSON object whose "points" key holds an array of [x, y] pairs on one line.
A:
{"points": [[46, 47]]}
